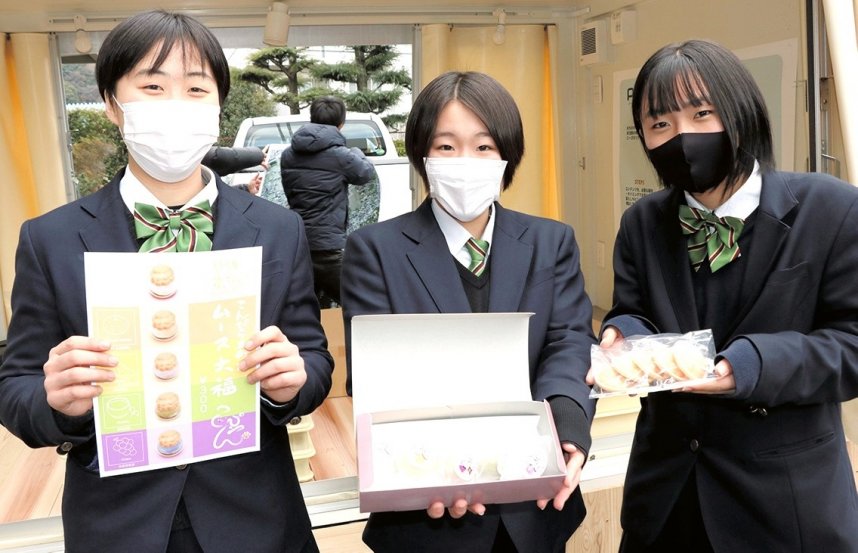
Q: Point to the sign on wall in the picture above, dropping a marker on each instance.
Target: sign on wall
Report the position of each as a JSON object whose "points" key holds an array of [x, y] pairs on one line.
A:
{"points": [[632, 171]]}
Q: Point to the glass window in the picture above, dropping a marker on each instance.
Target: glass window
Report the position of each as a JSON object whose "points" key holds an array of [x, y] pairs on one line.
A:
{"points": [[362, 134], [365, 136], [271, 133]]}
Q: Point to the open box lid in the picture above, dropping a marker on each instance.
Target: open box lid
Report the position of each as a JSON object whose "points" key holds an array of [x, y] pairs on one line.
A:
{"points": [[407, 361]]}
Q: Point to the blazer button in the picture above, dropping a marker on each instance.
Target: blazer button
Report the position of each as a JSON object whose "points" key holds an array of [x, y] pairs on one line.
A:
{"points": [[694, 445], [65, 447], [761, 411], [181, 467]]}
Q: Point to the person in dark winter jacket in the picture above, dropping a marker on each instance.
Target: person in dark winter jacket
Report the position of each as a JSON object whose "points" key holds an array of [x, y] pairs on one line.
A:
{"points": [[316, 171]]}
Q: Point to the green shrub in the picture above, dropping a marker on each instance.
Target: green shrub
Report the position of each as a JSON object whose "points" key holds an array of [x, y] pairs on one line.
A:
{"points": [[97, 149]]}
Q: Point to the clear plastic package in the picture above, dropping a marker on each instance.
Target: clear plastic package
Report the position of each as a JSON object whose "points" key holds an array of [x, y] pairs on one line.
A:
{"points": [[459, 451], [642, 364]]}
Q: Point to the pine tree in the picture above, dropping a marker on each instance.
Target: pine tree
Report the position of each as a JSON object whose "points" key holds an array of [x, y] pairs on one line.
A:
{"points": [[244, 100], [285, 74], [378, 86]]}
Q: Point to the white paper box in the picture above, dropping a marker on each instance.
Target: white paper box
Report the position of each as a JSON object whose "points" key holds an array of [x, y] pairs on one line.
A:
{"points": [[424, 369]]}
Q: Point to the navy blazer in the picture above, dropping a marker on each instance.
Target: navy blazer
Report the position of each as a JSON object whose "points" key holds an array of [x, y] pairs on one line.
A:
{"points": [[254, 496], [404, 266], [771, 469]]}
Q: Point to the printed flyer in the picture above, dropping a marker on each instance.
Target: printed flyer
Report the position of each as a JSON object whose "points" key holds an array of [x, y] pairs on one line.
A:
{"points": [[177, 323]]}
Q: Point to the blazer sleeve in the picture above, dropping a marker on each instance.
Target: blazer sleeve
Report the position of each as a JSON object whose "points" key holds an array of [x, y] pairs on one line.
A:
{"points": [[35, 328], [362, 288], [628, 298], [565, 356], [820, 365], [299, 319]]}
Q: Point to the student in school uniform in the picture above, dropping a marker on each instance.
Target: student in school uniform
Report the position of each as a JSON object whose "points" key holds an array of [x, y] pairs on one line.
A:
{"points": [[461, 252], [163, 77], [754, 460]]}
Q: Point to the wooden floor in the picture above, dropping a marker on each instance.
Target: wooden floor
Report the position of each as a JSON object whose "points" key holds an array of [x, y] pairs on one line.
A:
{"points": [[31, 480], [334, 439]]}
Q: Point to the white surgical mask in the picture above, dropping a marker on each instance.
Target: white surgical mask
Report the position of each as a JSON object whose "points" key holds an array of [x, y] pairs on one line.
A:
{"points": [[168, 138], [464, 186]]}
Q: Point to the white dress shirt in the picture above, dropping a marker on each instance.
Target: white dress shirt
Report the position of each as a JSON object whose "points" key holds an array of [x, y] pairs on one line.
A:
{"points": [[456, 235]]}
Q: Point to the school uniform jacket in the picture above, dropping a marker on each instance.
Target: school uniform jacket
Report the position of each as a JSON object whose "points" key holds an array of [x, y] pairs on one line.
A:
{"points": [[404, 266], [771, 467], [246, 502]]}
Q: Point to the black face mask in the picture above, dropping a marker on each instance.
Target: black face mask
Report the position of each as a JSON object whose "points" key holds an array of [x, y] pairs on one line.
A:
{"points": [[694, 162]]}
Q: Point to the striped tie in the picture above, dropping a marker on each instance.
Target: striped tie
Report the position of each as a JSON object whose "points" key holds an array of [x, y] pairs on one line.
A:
{"points": [[477, 250], [710, 237], [166, 230]]}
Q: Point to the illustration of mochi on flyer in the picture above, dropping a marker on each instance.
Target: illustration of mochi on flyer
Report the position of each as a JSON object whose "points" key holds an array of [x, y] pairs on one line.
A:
{"points": [[176, 323]]}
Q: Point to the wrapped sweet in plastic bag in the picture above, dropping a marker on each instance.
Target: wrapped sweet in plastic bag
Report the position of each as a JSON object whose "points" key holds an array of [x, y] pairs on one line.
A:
{"points": [[440, 452], [640, 364]]}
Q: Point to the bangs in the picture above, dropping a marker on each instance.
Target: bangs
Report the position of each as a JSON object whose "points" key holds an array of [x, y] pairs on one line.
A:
{"points": [[155, 34], [197, 44], [191, 51], [672, 86], [698, 72]]}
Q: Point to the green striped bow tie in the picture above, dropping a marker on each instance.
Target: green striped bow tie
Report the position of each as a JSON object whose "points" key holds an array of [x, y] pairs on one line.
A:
{"points": [[710, 237], [166, 230]]}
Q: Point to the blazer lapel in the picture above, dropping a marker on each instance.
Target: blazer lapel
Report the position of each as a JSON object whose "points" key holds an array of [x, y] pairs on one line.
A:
{"points": [[769, 235], [232, 227], [510, 261], [674, 264], [109, 215], [433, 263]]}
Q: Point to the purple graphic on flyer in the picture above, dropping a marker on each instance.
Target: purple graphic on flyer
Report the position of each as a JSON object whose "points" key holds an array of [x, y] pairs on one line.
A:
{"points": [[124, 450], [224, 433]]}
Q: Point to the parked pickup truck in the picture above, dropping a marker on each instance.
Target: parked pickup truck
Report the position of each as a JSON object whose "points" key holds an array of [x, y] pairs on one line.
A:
{"points": [[365, 131]]}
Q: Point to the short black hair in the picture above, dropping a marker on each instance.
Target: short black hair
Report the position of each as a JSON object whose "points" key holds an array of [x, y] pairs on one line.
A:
{"points": [[328, 110], [480, 93], [703, 71], [133, 39]]}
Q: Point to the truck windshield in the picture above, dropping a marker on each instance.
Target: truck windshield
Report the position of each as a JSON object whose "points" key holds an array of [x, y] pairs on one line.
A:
{"points": [[362, 134]]}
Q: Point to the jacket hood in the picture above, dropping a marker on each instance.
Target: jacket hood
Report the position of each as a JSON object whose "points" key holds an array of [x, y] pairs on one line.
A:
{"points": [[313, 137]]}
